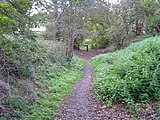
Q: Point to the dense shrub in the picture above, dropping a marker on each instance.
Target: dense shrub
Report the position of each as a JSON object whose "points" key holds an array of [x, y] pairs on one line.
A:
{"points": [[56, 49], [20, 55], [34, 77], [129, 75]]}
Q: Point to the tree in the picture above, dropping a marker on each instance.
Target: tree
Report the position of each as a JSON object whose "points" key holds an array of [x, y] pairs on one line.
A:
{"points": [[66, 19], [70, 18], [151, 12], [15, 16]]}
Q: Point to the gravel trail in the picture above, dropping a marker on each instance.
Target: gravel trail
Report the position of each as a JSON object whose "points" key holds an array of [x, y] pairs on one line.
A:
{"points": [[78, 105], [81, 105]]}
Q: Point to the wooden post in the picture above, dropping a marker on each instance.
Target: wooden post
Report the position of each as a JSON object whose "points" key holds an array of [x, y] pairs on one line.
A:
{"points": [[87, 47]]}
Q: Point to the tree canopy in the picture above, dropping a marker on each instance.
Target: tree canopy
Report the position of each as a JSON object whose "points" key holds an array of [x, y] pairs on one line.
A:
{"points": [[107, 22]]}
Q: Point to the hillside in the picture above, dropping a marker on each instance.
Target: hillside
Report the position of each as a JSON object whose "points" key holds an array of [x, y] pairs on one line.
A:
{"points": [[130, 76]]}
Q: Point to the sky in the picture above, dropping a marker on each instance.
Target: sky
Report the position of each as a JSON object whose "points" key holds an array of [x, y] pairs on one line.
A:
{"points": [[114, 1]]}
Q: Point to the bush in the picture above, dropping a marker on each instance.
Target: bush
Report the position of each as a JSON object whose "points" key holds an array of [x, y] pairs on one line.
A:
{"points": [[129, 75], [20, 55], [21, 60], [17, 102], [74, 64]]}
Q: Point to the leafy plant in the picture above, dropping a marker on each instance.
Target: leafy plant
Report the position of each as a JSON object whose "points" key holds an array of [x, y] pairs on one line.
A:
{"points": [[129, 75], [17, 102], [53, 90]]}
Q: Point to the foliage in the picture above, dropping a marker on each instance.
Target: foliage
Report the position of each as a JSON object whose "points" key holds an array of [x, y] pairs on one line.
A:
{"points": [[26, 62], [17, 102], [23, 59], [129, 75], [28, 59], [112, 23], [15, 16], [20, 55], [55, 49], [53, 90]]}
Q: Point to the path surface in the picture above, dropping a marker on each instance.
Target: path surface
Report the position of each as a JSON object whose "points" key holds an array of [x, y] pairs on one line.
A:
{"points": [[81, 105]]}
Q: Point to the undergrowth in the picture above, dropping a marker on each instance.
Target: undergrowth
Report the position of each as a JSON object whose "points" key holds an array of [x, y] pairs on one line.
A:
{"points": [[52, 91], [33, 81], [131, 75]]}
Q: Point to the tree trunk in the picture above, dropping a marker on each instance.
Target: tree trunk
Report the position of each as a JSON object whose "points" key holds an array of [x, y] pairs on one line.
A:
{"points": [[158, 29], [70, 45], [137, 28]]}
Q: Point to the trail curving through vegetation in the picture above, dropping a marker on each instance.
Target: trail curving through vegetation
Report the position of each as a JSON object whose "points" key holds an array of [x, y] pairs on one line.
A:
{"points": [[81, 105], [78, 105]]}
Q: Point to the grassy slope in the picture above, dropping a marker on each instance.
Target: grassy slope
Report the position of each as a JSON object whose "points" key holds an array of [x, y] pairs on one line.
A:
{"points": [[36, 70], [131, 75], [51, 92]]}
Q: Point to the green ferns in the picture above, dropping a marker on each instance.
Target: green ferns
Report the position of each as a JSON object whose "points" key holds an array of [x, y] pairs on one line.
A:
{"points": [[129, 75]]}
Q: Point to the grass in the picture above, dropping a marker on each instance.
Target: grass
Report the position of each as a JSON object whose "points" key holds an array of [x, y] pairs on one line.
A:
{"points": [[52, 92], [50, 97], [131, 75], [39, 77]]}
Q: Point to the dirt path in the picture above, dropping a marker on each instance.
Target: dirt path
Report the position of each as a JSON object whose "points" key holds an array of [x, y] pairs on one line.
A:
{"points": [[88, 55], [78, 104], [81, 105]]}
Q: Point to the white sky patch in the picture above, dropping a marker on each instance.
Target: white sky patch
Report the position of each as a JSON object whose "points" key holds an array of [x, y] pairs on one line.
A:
{"points": [[114, 1], [39, 29]]}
